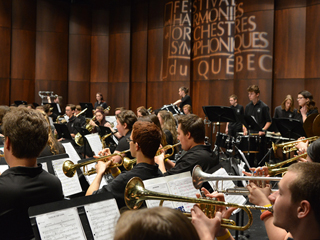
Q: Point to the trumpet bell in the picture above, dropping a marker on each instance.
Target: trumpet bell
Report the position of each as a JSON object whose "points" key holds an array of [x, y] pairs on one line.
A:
{"points": [[68, 168]]}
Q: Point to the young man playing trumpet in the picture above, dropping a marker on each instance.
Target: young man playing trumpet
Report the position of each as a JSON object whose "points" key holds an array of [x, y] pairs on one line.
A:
{"points": [[144, 143]]}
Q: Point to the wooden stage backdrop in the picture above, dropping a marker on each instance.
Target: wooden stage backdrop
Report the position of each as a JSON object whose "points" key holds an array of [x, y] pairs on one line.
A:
{"points": [[140, 52]]}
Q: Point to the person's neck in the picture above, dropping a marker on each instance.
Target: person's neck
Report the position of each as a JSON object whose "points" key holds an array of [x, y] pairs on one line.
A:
{"points": [[143, 159], [126, 132], [21, 162], [299, 231], [235, 104], [254, 101], [193, 144]]}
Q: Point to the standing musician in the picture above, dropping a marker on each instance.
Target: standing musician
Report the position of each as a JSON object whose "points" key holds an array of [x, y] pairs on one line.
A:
{"points": [[100, 101], [25, 183], [307, 105], [144, 143], [286, 109], [125, 121], [185, 99], [233, 128], [191, 134]]}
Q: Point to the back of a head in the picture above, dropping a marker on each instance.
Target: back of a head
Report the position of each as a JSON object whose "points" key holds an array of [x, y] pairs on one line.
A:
{"points": [[27, 131], [3, 111], [193, 124], [307, 185], [155, 223], [128, 117], [148, 136], [313, 151]]}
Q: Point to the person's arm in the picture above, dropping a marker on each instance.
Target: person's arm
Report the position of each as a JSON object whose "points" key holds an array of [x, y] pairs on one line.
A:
{"points": [[177, 102], [266, 126], [163, 163], [227, 125]]}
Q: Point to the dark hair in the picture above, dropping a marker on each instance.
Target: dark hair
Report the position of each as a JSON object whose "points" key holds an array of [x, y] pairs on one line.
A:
{"points": [[78, 107], [186, 90], [100, 94], [194, 125], [311, 104], [155, 223], [253, 88], [148, 136], [27, 131], [233, 96], [103, 121], [283, 104], [128, 117], [307, 185], [3, 111], [313, 151], [143, 111], [72, 107], [169, 123]]}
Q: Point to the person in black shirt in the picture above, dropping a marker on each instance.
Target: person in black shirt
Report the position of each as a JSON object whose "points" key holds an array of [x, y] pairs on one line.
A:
{"points": [[100, 101], [191, 134], [286, 109], [81, 117], [73, 121], [307, 105], [144, 143], [233, 128], [185, 99]]}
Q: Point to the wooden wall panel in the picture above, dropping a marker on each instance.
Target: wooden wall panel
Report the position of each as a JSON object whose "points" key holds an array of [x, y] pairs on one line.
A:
{"points": [[119, 92], [22, 89], [24, 14], [155, 94], [5, 13], [59, 87], [78, 92], [138, 95], [101, 87], [5, 39], [4, 91], [155, 47]]}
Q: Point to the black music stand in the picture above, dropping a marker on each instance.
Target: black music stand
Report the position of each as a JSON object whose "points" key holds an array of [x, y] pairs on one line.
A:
{"points": [[289, 128], [20, 102], [171, 108], [89, 107], [63, 131], [83, 132]]}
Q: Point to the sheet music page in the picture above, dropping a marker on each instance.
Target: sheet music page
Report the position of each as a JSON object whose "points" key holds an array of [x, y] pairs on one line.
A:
{"points": [[45, 166], [73, 155], [112, 120], [238, 199], [160, 187], [3, 168], [70, 186], [92, 177], [94, 142], [63, 224], [103, 217]]}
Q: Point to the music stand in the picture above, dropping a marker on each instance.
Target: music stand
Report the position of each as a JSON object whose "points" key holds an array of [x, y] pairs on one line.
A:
{"points": [[20, 102], [89, 107], [63, 131], [220, 114], [171, 108], [289, 128]]}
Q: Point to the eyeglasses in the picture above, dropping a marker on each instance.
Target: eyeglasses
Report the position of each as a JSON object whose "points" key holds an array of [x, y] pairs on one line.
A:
{"points": [[129, 140], [299, 98]]}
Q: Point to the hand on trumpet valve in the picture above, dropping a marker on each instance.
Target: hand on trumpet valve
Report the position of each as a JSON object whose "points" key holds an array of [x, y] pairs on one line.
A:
{"points": [[104, 152], [102, 166], [260, 172], [259, 196]]}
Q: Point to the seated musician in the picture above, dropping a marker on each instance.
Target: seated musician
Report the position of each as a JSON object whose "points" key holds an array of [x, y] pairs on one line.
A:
{"points": [[142, 111], [307, 105], [144, 143], [25, 183], [286, 109], [73, 121], [100, 120], [81, 117], [191, 134]]}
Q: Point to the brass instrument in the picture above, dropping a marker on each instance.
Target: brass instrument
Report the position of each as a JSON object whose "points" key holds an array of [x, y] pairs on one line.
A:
{"points": [[78, 137], [104, 138], [128, 163], [1, 155], [135, 193], [291, 146], [62, 121], [199, 177], [280, 164], [149, 110], [70, 169]]}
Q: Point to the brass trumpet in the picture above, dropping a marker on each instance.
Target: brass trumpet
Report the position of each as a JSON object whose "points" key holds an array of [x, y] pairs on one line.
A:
{"points": [[135, 193], [128, 163], [291, 146], [199, 177], [70, 169], [280, 164], [1, 155]]}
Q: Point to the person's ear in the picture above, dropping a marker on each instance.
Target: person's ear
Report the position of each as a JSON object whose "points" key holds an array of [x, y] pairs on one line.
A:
{"points": [[303, 209], [125, 125], [7, 143], [188, 135]]}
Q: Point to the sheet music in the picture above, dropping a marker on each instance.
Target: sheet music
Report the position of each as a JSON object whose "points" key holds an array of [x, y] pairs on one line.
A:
{"points": [[161, 188], [71, 185], [102, 218], [92, 177], [45, 166], [73, 155], [94, 142], [3, 168], [239, 199], [64, 224]]}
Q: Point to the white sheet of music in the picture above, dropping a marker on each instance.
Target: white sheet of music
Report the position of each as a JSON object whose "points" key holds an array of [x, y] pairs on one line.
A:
{"points": [[92, 177], [70, 186], [45, 166], [178, 184], [3, 168], [73, 155], [239, 199], [103, 217], [63, 224], [94, 142]]}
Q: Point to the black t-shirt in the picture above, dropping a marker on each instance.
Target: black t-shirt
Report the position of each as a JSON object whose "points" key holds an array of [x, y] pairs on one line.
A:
{"points": [[299, 116], [239, 111], [124, 145], [282, 113], [21, 188], [117, 186], [260, 112], [101, 104], [198, 155], [73, 121], [184, 101]]}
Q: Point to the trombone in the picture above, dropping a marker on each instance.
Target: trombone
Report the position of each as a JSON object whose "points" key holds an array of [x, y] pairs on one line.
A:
{"points": [[70, 169], [135, 193], [291, 146], [128, 163]]}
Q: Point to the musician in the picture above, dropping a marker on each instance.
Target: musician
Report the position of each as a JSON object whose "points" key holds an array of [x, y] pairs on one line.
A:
{"points": [[142, 111], [307, 105], [187, 109], [25, 183], [100, 101], [155, 223], [81, 117], [233, 128], [191, 134], [185, 99], [295, 206], [144, 143], [258, 109], [286, 109], [73, 121]]}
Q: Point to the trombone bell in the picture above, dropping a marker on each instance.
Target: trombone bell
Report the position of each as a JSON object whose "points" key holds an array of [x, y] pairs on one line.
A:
{"points": [[69, 169]]}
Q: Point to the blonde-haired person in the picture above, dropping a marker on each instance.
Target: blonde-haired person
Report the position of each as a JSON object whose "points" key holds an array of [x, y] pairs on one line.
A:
{"points": [[286, 109], [187, 109]]}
